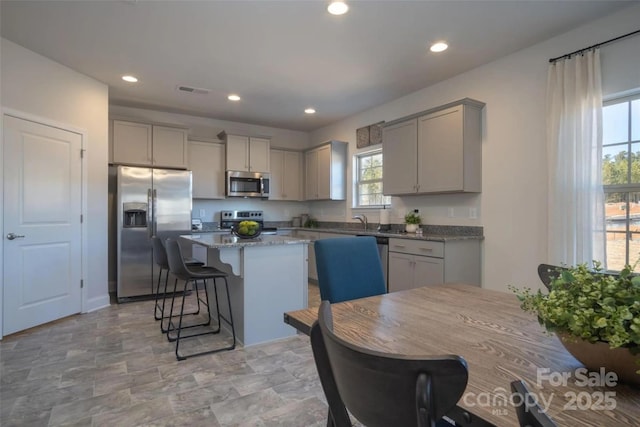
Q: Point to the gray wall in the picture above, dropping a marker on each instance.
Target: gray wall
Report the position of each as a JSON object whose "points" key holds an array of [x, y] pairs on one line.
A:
{"points": [[37, 86], [512, 207]]}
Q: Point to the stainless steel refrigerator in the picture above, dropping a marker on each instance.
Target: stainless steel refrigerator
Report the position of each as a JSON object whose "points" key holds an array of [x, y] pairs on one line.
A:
{"points": [[150, 202]]}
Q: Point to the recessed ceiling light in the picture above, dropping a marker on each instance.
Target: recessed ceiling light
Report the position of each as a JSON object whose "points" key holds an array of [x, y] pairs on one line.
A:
{"points": [[439, 47], [338, 8], [310, 110], [129, 79], [233, 97]]}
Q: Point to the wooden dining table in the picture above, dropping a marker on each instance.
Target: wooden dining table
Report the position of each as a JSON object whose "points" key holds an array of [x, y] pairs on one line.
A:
{"points": [[500, 342]]}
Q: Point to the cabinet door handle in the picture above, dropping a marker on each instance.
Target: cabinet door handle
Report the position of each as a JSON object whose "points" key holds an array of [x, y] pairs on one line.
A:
{"points": [[399, 246], [427, 249]]}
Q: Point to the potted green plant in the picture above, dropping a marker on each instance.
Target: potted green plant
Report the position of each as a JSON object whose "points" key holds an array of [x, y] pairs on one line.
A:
{"points": [[595, 314], [412, 221]]}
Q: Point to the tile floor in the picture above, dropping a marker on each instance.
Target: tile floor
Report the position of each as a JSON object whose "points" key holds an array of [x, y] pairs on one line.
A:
{"points": [[113, 367]]}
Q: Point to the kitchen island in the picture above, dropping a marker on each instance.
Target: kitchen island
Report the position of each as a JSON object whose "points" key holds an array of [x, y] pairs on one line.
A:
{"points": [[267, 277]]}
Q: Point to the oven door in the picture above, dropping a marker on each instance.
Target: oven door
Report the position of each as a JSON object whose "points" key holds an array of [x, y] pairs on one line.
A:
{"points": [[247, 184]]}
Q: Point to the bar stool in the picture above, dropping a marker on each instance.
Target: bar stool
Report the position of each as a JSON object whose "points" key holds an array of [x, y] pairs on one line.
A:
{"points": [[160, 258], [182, 272]]}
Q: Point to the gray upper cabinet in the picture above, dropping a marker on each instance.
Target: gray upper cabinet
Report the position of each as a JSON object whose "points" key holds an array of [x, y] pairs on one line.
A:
{"points": [[326, 172], [149, 145], [247, 153], [286, 175], [400, 169], [436, 151], [170, 147], [207, 165]]}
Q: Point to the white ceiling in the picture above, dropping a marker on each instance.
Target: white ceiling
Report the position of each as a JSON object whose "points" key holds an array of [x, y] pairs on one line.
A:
{"points": [[282, 56]]}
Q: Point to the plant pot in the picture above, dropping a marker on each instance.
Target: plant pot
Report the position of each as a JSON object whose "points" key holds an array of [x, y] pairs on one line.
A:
{"points": [[411, 228], [596, 355]]}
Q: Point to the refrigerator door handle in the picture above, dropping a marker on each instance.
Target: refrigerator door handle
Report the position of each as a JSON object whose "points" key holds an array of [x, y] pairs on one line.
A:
{"points": [[149, 214], [155, 219]]}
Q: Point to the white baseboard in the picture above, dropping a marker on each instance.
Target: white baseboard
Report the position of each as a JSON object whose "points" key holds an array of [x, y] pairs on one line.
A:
{"points": [[97, 303]]}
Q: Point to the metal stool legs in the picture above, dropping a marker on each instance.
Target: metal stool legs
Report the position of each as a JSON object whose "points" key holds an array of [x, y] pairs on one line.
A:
{"points": [[162, 261], [181, 271], [171, 326], [160, 306], [220, 318]]}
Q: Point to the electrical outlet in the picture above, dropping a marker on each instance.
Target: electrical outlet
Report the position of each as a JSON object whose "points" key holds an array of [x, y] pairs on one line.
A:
{"points": [[202, 213], [450, 213], [473, 213]]}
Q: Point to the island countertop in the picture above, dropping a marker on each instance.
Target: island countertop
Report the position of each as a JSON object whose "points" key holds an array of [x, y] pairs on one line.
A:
{"points": [[217, 240]]}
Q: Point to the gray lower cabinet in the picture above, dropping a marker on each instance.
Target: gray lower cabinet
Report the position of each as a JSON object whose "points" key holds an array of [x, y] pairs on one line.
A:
{"points": [[416, 263], [312, 236]]}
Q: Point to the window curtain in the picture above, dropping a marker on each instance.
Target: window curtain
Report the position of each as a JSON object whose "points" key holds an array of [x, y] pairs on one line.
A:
{"points": [[574, 147]]}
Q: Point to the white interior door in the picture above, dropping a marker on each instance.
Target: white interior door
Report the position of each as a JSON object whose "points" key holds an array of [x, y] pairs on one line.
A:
{"points": [[42, 226]]}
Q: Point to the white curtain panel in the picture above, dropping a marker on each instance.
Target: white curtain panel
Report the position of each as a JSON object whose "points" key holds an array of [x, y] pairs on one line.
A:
{"points": [[574, 147]]}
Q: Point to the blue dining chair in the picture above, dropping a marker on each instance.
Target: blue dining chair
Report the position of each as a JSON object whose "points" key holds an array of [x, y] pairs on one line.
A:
{"points": [[348, 268]]}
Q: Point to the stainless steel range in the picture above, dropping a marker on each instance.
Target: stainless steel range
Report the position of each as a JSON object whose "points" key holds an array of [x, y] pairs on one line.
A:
{"points": [[230, 218]]}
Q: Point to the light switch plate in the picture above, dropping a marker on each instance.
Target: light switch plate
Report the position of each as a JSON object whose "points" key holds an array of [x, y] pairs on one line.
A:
{"points": [[202, 213], [473, 213]]}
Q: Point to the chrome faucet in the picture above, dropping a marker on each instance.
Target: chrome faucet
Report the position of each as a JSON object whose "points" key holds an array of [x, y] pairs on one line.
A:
{"points": [[363, 219]]}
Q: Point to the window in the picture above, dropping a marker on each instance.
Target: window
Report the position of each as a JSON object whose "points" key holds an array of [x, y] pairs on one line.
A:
{"points": [[368, 191], [621, 179]]}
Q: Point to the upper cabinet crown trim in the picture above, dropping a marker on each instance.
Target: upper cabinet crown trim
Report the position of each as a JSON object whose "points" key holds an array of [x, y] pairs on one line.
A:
{"points": [[147, 122], [323, 144], [205, 139], [465, 101], [224, 134]]}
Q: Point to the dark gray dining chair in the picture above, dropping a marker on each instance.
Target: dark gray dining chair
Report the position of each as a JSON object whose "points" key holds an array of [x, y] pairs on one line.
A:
{"points": [[529, 412], [547, 272], [382, 389]]}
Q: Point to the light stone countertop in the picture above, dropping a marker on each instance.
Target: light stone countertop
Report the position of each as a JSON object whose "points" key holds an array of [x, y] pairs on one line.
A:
{"points": [[436, 237], [219, 240], [396, 235]]}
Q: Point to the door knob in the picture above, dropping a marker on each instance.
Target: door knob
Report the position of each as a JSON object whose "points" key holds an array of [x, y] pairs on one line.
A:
{"points": [[12, 236]]}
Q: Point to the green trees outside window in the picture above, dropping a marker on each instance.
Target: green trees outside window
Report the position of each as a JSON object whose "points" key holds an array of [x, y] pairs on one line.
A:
{"points": [[369, 180]]}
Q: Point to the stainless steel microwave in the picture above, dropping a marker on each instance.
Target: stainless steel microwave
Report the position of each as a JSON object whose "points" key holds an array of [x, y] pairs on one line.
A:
{"points": [[247, 184]]}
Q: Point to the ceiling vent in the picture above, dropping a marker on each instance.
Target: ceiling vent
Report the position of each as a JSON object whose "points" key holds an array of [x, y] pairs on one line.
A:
{"points": [[190, 89]]}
